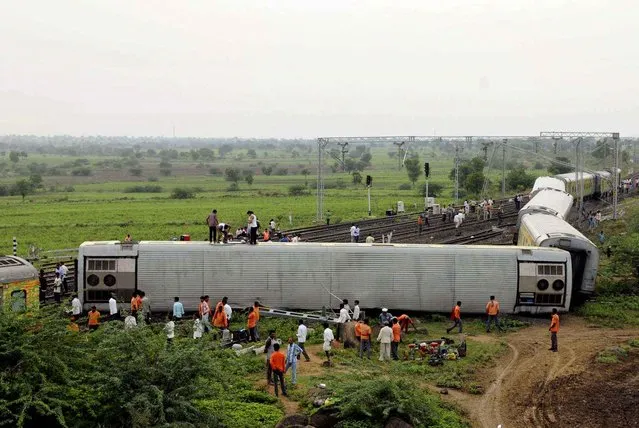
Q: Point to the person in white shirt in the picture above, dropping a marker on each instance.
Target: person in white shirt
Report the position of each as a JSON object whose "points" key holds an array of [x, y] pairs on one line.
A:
{"points": [[57, 287], [346, 306], [344, 317], [356, 233], [356, 311], [178, 309], [198, 327], [295, 238], [252, 227], [64, 271], [114, 314], [229, 312], [130, 322], [353, 227], [302, 332], [170, 332], [328, 339], [385, 338], [76, 307]]}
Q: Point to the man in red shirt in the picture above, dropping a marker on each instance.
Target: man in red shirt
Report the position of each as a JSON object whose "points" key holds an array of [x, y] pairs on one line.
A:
{"points": [[456, 318], [554, 329], [278, 365], [397, 336], [404, 321]]}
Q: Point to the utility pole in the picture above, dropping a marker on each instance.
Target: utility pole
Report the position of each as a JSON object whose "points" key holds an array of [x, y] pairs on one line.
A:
{"points": [[456, 173], [615, 200], [321, 144], [344, 151], [399, 154], [503, 167]]}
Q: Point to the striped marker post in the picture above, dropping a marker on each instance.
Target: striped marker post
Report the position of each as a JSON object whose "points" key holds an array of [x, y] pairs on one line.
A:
{"points": [[15, 246]]}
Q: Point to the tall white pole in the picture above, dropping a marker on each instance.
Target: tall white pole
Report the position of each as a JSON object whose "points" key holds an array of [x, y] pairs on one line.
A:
{"points": [[369, 200]]}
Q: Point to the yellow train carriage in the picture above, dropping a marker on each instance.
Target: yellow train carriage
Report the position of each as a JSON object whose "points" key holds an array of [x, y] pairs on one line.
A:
{"points": [[20, 284]]}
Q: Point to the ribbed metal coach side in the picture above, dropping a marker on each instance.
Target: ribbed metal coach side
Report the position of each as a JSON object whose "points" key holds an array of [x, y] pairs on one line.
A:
{"points": [[309, 275]]}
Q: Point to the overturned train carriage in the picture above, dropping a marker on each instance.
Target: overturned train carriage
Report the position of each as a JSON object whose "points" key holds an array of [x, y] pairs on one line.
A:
{"points": [[19, 282], [309, 275]]}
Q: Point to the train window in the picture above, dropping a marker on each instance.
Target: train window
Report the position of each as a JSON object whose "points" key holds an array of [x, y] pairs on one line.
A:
{"points": [[109, 280], [93, 280], [102, 265], [558, 285], [542, 284]]}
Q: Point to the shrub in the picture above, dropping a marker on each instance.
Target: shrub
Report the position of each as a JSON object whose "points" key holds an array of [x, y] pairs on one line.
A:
{"points": [[241, 415], [215, 171], [182, 193], [406, 186], [83, 172], [281, 171], [4, 190], [233, 187], [144, 189], [165, 172], [298, 190], [539, 165], [152, 179], [69, 189]]}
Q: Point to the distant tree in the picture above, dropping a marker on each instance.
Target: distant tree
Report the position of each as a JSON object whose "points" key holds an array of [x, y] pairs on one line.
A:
{"points": [[267, 170], [195, 155], [82, 172], [207, 154], [165, 172], [413, 169], [466, 168], [136, 172], [366, 158], [248, 177], [23, 188], [151, 152], [555, 169], [232, 174], [4, 190], [36, 181], [434, 190], [182, 193], [305, 172], [474, 182], [295, 154], [281, 171], [14, 157], [357, 177], [251, 153], [602, 150], [225, 149], [518, 179], [297, 190], [165, 164]]}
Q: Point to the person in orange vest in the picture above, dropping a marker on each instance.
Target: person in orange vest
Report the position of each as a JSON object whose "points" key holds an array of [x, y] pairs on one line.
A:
{"points": [[134, 304], [358, 331], [219, 316], [554, 329], [397, 336], [251, 324], [278, 366], [455, 316], [420, 224], [365, 339], [404, 321], [492, 310], [266, 236], [256, 309], [94, 318]]}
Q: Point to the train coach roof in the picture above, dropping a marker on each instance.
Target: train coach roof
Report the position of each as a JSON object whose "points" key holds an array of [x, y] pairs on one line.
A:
{"points": [[548, 182], [551, 227], [570, 176], [15, 268], [116, 248]]}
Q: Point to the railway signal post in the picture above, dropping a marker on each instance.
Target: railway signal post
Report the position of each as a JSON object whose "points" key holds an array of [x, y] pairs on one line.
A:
{"points": [[426, 174], [369, 183]]}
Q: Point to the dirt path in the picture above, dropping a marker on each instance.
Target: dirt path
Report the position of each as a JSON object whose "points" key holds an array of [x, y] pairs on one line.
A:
{"points": [[517, 385]]}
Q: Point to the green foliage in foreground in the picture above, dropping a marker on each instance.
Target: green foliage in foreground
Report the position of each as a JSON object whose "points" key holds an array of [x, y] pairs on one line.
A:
{"points": [[613, 311], [373, 401], [51, 377]]}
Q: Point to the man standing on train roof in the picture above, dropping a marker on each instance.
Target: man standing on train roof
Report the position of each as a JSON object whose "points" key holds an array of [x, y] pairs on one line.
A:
{"points": [[224, 229], [492, 312], [356, 310], [352, 230], [252, 227], [356, 233], [271, 226], [397, 337], [370, 239], [302, 333], [76, 308], [213, 222], [328, 217], [455, 316], [420, 224], [554, 329], [385, 317], [178, 309], [114, 314]]}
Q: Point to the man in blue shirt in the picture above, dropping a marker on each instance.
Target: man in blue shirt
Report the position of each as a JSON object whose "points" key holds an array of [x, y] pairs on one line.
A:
{"points": [[292, 353], [178, 309]]}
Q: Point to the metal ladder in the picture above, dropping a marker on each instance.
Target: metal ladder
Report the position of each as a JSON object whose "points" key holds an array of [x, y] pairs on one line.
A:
{"points": [[297, 315]]}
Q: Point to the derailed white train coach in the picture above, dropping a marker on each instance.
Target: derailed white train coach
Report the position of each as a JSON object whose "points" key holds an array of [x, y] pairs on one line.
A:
{"points": [[306, 275]]}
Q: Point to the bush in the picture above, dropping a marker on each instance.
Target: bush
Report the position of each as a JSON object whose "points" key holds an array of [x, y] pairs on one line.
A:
{"points": [[539, 165], [144, 189], [233, 187], [153, 179], [298, 190], [165, 172], [69, 189], [4, 190], [83, 172], [241, 415], [406, 186], [182, 193], [215, 171], [375, 400], [281, 171]]}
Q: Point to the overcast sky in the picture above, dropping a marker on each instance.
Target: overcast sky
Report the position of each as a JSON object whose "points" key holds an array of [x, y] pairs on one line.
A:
{"points": [[305, 68]]}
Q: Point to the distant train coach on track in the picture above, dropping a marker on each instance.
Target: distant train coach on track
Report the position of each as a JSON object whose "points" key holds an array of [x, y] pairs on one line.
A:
{"points": [[306, 275], [19, 282]]}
